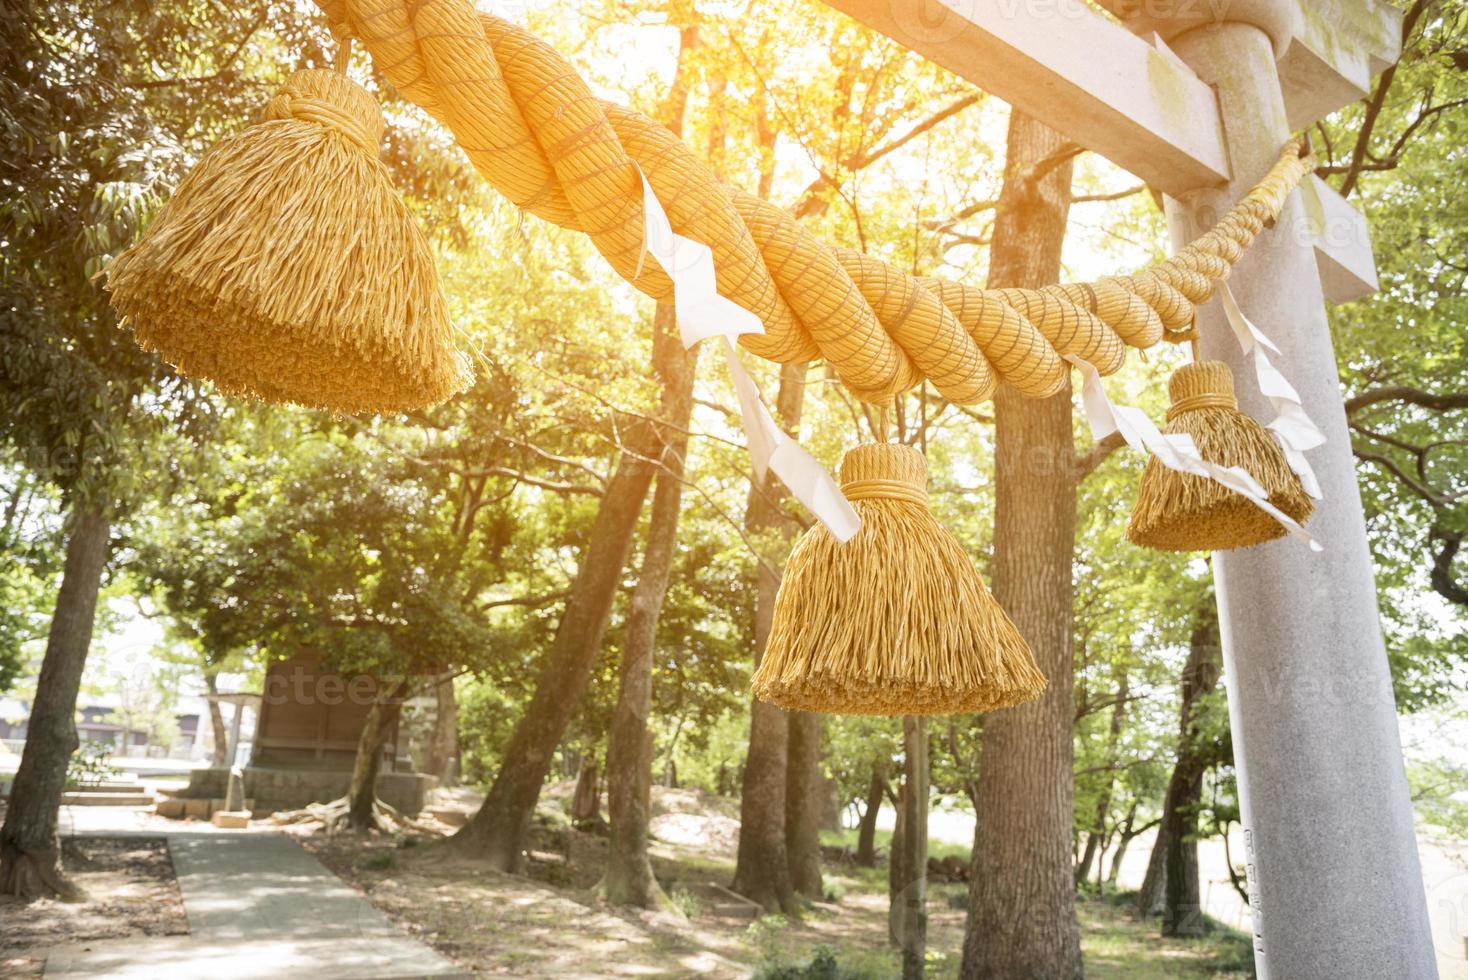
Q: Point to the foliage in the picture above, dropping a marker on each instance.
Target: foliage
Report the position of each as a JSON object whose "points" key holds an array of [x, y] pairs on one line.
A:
{"points": [[686, 902], [821, 966], [29, 538], [90, 764], [96, 131], [858, 744], [1436, 773], [1436, 787], [487, 715], [1398, 155]]}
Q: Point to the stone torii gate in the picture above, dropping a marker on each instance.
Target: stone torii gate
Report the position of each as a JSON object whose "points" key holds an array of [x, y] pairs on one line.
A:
{"points": [[1196, 97]]}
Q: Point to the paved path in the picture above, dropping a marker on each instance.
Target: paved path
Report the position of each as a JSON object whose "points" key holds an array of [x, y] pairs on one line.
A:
{"points": [[259, 906]]}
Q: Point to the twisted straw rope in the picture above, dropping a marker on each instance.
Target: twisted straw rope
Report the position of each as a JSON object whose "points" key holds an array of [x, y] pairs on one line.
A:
{"points": [[532, 127]]}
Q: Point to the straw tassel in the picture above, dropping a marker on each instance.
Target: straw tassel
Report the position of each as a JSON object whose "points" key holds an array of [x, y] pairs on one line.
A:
{"points": [[896, 620], [286, 268], [1182, 512]]}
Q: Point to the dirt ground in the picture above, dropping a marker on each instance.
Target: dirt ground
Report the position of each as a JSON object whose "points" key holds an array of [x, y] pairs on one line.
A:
{"points": [[131, 892], [550, 923]]}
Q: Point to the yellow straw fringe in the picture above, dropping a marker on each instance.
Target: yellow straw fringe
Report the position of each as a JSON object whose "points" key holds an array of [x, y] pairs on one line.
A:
{"points": [[286, 267], [896, 620], [1182, 512]]}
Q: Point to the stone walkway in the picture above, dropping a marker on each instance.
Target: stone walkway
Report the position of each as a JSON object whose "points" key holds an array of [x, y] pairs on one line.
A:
{"points": [[259, 906]]}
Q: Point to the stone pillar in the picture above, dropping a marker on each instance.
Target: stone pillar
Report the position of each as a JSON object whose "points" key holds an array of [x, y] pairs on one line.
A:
{"points": [[234, 733], [234, 794], [1333, 869]]}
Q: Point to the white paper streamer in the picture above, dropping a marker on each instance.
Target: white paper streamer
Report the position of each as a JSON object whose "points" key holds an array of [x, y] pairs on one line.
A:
{"points": [[1175, 451], [703, 313], [1292, 428]]}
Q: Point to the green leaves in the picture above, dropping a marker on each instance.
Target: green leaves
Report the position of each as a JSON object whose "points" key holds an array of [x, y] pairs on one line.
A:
{"points": [[1412, 451]]}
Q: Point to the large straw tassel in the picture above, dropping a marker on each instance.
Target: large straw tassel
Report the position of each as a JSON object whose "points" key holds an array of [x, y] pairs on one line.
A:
{"points": [[896, 620], [1183, 512], [286, 267]]}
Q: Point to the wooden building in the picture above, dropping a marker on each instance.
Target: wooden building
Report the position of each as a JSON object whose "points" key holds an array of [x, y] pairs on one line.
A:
{"points": [[311, 718]]}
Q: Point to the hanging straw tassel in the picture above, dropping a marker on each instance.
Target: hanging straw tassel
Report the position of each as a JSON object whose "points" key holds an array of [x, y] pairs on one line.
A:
{"points": [[286, 267], [896, 620], [1182, 512]]}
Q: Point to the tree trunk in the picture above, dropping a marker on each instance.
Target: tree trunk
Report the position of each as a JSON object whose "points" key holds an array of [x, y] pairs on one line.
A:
{"points": [[762, 870], [220, 756], [1022, 918], [1088, 855], [496, 834], [897, 874], [914, 894], [1125, 837], [30, 855], [362, 795], [1182, 911], [629, 879], [1154, 883], [804, 801], [1097, 834], [830, 794], [586, 798], [443, 744], [866, 834]]}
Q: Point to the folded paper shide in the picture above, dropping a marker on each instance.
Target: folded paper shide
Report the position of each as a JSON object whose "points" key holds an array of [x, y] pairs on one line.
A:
{"points": [[286, 267], [896, 620], [1177, 511]]}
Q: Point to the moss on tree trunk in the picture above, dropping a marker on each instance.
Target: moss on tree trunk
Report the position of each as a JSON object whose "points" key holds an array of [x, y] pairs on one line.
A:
{"points": [[911, 904]]}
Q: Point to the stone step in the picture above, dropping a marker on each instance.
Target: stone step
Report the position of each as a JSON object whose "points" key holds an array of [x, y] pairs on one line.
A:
{"points": [[109, 786], [733, 910], [720, 901], [182, 808], [104, 798]]}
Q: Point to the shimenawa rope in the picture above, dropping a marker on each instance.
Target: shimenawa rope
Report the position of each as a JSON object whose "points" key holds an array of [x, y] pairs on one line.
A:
{"points": [[532, 126]]}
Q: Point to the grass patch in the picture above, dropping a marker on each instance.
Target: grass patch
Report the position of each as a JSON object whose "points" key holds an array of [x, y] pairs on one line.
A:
{"points": [[847, 838], [1114, 944], [686, 902], [1117, 945], [380, 862], [826, 963]]}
